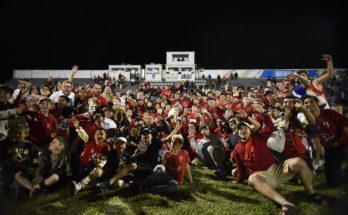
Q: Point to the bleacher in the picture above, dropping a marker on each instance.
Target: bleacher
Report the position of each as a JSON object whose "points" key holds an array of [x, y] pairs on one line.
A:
{"points": [[247, 82]]}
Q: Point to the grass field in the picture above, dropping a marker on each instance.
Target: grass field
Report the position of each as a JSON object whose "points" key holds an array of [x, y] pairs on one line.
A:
{"points": [[205, 196]]}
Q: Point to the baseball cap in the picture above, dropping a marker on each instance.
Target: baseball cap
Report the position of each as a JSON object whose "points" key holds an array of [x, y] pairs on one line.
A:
{"points": [[243, 123]]}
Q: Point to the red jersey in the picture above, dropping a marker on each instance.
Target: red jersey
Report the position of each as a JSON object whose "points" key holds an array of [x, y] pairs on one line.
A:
{"points": [[176, 164], [296, 144], [317, 90], [93, 151], [185, 103], [330, 127], [87, 124]]}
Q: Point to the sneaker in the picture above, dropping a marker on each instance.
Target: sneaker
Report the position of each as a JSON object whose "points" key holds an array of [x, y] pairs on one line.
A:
{"points": [[288, 209], [220, 173], [104, 186], [194, 162], [73, 188], [119, 183]]}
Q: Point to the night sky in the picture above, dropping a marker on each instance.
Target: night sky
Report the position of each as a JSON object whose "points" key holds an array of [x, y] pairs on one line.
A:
{"points": [[224, 34]]}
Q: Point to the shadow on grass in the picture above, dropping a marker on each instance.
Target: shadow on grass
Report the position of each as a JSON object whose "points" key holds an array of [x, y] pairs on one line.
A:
{"points": [[208, 188]]}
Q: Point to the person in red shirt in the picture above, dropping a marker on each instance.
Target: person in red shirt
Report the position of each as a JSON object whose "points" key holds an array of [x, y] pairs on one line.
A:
{"points": [[96, 94], [330, 130], [186, 101], [253, 158], [166, 91], [42, 124], [93, 157], [296, 137]]}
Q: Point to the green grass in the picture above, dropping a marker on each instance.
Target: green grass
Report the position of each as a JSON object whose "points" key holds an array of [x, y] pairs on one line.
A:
{"points": [[205, 196]]}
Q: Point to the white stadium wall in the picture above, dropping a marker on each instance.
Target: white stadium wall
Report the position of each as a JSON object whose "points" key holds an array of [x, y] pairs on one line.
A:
{"points": [[169, 75]]}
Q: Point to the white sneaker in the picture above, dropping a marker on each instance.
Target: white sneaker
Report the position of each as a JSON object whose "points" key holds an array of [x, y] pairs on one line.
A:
{"points": [[119, 183], [74, 188]]}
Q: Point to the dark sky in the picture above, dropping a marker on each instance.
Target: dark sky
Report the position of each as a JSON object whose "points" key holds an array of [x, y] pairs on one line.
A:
{"points": [[224, 34]]}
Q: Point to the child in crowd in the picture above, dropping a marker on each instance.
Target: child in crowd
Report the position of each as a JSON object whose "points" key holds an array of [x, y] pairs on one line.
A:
{"points": [[53, 167], [93, 157], [21, 157]]}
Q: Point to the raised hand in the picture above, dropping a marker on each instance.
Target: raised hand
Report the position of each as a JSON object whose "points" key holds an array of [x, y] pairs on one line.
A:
{"points": [[75, 69], [326, 57]]}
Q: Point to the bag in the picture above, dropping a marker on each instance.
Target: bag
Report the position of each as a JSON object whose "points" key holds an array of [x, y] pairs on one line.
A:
{"points": [[276, 143]]}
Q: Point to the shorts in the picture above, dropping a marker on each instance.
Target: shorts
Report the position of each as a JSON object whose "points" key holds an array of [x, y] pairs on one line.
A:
{"points": [[277, 173]]}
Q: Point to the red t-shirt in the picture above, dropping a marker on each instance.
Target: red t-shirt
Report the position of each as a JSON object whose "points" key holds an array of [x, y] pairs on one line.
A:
{"points": [[262, 158], [176, 164], [167, 92], [41, 127]]}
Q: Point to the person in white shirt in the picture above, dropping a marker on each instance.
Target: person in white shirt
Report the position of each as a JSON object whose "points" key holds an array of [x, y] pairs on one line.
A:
{"points": [[67, 87]]}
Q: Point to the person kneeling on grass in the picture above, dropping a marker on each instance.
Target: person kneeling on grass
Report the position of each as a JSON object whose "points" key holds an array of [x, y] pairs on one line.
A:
{"points": [[53, 167], [166, 177]]}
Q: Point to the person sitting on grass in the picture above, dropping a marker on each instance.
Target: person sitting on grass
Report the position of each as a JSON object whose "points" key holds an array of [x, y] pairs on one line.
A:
{"points": [[54, 167], [145, 159], [211, 149], [253, 158], [167, 176], [21, 157], [93, 158], [118, 162]]}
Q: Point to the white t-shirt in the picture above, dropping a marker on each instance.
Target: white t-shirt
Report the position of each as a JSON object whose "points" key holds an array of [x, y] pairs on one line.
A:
{"points": [[54, 97]]}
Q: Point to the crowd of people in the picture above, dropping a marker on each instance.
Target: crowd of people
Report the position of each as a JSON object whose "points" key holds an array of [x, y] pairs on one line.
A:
{"points": [[95, 136]]}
